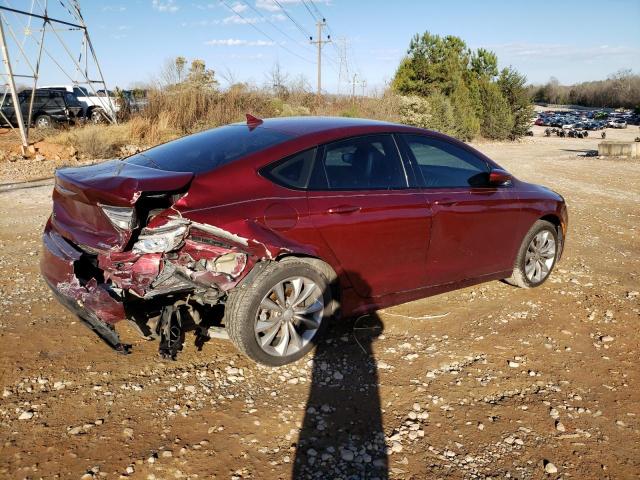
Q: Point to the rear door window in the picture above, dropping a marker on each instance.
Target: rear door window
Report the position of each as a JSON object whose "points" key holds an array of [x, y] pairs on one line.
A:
{"points": [[368, 162], [443, 164]]}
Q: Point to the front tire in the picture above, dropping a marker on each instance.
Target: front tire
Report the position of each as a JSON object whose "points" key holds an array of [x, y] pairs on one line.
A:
{"points": [[276, 316], [537, 256]]}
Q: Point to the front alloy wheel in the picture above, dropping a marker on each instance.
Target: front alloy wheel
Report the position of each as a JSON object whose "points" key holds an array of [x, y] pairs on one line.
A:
{"points": [[540, 256], [537, 256]]}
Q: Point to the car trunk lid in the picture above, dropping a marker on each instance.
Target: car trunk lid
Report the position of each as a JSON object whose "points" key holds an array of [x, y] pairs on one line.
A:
{"points": [[80, 195]]}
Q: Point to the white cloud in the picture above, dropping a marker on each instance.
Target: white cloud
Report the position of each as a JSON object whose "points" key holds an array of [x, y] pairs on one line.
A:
{"points": [[268, 5], [238, 7], [165, 5], [113, 8], [235, 19], [271, 6], [561, 51], [237, 42], [236, 56], [201, 23]]}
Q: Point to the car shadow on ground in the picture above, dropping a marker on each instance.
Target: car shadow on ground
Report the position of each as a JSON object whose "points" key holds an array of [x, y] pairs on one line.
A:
{"points": [[342, 434]]}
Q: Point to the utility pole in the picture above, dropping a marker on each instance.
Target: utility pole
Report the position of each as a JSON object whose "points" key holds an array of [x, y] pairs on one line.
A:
{"points": [[354, 82], [364, 84], [17, 108], [320, 42]]}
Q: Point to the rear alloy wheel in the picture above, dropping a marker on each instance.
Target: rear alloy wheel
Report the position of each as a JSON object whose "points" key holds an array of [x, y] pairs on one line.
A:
{"points": [[43, 121], [97, 115], [277, 316], [536, 257]]}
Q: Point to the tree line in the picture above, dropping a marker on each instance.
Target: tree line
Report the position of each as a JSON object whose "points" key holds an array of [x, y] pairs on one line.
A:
{"points": [[621, 89]]}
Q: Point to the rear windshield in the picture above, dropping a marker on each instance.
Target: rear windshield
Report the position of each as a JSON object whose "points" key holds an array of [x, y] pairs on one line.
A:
{"points": [[208, 150]]}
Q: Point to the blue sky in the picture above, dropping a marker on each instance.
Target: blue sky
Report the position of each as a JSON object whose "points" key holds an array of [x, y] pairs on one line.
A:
{"points": [[571, 40]]}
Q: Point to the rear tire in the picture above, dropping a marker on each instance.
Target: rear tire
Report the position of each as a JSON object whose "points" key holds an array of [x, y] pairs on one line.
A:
{"points": [[272, 331], [537, 256], [43, 121], [97, 115]]}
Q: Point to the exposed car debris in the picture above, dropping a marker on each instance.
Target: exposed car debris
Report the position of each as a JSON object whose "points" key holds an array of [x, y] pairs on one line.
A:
{"points": [[182, 264]]}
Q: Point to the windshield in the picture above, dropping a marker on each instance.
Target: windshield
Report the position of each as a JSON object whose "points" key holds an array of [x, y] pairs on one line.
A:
{"points": [[206, 151]]}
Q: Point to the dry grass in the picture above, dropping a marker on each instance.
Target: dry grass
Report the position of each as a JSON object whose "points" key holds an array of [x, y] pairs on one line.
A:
{"points": [[175, 112], [94, 141]]}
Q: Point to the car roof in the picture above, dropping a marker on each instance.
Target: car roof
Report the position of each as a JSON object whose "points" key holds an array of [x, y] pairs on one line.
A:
{"points": [[298, 126]]}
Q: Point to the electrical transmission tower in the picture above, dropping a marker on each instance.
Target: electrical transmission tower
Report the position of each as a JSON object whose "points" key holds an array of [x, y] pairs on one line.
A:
{"points": [[40, 34], [320, 42], [355, 82], [343, 67]]}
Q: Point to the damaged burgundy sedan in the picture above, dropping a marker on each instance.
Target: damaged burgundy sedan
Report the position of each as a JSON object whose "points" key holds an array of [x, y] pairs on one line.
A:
{"points": [[267, 228]]}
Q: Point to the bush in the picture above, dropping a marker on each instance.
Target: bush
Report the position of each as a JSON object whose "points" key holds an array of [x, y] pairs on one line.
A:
{"points": [[434, 112], [497, 121]]}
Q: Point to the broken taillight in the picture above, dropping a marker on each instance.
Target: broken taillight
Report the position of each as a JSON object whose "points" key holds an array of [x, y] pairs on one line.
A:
{"points": [[161, 239], [123, 218]]}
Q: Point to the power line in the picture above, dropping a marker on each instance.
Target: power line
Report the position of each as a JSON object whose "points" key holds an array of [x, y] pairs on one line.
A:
{"points": [[309, 10], [263, 33], [304, 32], [272, 24], [316, 9]]}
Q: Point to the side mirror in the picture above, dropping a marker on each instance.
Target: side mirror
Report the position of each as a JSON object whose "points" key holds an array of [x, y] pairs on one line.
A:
{"points": [[499, 177]]}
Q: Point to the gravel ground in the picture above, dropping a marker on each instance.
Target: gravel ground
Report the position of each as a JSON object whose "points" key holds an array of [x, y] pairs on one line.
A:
{"points": [[510, 383]]}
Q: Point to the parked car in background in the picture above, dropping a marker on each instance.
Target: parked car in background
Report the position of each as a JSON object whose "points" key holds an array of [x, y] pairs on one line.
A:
{"points": [[136, 99], [617, 123], [96, 107], [280, 222], [49, 108]]}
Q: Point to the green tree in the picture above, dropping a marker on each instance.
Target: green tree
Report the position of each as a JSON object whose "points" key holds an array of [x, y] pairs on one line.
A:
{"points": [[484, 63], [497, 121], [467, 79], [513, 87]]}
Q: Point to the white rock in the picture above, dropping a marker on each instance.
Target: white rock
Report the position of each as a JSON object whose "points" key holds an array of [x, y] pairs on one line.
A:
{"points": [[28, 415], [550, 468]]}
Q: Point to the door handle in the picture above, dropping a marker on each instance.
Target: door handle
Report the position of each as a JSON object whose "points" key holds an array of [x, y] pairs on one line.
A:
{"points": [[342, 209], [445, 203]]}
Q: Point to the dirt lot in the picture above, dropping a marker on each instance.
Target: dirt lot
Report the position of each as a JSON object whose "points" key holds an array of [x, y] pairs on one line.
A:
{"points": [[511, 383]]}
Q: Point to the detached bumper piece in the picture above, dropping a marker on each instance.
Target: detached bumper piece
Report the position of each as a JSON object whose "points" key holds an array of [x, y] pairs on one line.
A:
{"points": [[104, 330], [90, 300]]}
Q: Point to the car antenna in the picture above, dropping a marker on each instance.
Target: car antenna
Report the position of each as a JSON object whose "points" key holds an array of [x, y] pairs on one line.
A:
{"points": [[253, 121]]}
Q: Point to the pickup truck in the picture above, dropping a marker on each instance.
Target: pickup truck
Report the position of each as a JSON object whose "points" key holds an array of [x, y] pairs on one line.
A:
{"points": [[96, 108]]}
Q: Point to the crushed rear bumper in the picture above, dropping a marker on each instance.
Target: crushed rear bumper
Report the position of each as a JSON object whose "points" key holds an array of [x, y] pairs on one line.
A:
{"points": [[91, 301]]}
